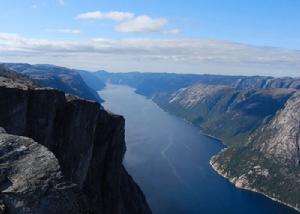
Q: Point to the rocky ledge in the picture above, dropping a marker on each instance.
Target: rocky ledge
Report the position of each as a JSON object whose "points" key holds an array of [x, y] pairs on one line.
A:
{"points": [[31, 179], [71, 158]]}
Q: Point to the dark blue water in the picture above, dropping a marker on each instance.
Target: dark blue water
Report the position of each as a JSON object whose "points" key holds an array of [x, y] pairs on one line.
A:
{"points": [[169, 159]]}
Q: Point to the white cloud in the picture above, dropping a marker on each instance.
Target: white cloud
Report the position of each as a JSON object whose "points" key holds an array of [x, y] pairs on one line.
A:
{"points": [[69, 31], [129, 22], [142, 24], [113, 15], [177, 55], [172, 31]]}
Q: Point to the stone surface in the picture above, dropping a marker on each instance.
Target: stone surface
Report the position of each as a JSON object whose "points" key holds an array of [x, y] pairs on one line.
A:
{"points": [[32, 181], [279, 140], [87, 141]]}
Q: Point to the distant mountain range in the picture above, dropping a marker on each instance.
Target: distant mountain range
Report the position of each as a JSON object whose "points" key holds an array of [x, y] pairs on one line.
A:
{"points": [[68, 80], [152, 83]]}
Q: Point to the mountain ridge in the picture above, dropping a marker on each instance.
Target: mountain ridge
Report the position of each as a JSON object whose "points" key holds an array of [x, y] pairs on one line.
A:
{"points": [[68, 80]]}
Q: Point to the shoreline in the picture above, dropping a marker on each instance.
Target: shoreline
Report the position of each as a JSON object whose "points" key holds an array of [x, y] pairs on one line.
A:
{"points": [[226, 177], [217, 170], [190, 123]]}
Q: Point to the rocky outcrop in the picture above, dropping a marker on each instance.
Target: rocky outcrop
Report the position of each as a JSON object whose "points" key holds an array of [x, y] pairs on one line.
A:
{"points": [[87, 141], [31, 179]]}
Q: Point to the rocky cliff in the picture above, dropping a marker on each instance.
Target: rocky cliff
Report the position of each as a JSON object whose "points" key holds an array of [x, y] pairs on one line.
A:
{"points": [[82, 143], [269, 161], [261, 128], [225, 112]]}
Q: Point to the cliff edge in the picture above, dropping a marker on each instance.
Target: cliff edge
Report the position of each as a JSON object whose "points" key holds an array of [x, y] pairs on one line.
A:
{"points": [[87, 144]]}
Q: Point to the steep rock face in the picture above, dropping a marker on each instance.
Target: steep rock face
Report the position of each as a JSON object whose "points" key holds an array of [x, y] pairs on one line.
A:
{"points": [[269, 161], [205, 94], [31, 179], [224, 111], [279, 140], [87, 141], [91, 80]]}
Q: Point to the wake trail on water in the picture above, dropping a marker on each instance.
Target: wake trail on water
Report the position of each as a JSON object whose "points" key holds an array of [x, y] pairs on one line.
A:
{"points": [[171, 165]]}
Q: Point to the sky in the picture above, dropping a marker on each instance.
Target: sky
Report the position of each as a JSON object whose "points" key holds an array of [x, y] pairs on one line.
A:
{"points": [[245, 37]]}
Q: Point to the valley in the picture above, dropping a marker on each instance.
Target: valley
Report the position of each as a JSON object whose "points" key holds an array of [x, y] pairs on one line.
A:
{"points": [[257, 118], [170, 161], [141, 107]]}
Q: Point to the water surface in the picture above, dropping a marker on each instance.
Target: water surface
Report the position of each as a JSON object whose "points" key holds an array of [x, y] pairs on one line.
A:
{"points": [[169, 159]]}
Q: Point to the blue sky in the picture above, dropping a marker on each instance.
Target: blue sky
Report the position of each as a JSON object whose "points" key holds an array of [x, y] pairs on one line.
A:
{"points": [[192, 36]]}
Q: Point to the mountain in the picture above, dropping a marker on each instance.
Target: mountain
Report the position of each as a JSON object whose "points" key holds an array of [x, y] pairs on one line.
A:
{"points": [[269, 160], [68, 80], [268, 82], [258, 118], [223, 111], [149, 84], [260, 128], [92, 80], [61, 154]]}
